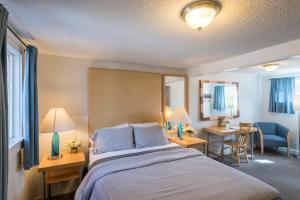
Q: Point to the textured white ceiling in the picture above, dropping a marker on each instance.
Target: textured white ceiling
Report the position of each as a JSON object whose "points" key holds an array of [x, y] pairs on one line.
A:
{"points": [[151, 31]]}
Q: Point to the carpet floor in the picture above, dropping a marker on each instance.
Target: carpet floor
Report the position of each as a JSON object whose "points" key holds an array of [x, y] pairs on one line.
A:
{"points": [[275, 169]]}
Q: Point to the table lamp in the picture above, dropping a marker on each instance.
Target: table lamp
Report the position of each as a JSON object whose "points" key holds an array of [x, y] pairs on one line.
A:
{"points": [[180, 117], [297, 108], [56, 120]]}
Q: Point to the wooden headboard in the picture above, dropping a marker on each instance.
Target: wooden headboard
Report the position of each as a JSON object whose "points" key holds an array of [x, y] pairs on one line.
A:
{"points": [[119, 96]]}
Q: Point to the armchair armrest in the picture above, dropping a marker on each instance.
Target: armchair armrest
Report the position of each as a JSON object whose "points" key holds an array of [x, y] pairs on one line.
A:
{"points": [[261, 137], [282, 131]]}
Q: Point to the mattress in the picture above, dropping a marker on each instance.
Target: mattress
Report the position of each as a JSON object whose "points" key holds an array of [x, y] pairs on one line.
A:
{"points": [[168, 172]]}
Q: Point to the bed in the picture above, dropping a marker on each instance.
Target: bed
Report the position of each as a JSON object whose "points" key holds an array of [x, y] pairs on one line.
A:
{"points": [[167, 172], [156, 171]]}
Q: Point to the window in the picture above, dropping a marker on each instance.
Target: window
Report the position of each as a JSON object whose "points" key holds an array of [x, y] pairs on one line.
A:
{"points": [[14, 91], [282, 95]]}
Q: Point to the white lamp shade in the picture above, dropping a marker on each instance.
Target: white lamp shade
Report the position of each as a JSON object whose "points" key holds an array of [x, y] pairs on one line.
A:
{"points": [[180, 115], [297, 102], [57, 120], [168, 112]]}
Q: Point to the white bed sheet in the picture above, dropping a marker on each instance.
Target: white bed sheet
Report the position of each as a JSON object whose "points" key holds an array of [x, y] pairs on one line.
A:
{"points": [[94, 157]]}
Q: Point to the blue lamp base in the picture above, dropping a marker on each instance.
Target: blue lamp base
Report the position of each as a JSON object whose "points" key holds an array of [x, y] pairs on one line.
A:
{"points": [[180, 131], [55, 147]]}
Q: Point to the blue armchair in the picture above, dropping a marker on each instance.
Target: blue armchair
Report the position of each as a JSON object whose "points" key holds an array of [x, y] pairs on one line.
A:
{"points": [[273, 135]]}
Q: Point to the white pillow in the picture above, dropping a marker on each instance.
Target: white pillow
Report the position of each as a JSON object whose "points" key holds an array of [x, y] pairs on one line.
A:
{"points": [[149, 136], [145, 124], [113, 139], [92, 137]]}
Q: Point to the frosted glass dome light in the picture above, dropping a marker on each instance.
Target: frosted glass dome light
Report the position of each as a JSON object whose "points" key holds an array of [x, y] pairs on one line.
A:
{"points": [[200, 14]]}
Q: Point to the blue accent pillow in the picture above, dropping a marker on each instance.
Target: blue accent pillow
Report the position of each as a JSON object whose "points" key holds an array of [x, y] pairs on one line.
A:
{"points": [[113, 139], [149, 136]]}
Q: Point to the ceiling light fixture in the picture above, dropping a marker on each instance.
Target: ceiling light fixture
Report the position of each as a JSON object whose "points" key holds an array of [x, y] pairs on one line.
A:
{"points": [[200, 14], [270, 67]]}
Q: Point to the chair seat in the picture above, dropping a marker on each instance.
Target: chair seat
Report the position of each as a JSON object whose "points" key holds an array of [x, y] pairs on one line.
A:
{"points": [[274, 140]]}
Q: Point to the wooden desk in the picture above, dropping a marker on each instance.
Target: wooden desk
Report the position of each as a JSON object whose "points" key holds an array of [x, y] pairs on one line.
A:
{"points": [[189, 142], [66, 168], [222, 131]]}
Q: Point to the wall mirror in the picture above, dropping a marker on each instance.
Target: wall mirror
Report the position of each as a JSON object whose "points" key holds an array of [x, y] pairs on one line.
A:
{"points": [[218, 99], [175, 93]]}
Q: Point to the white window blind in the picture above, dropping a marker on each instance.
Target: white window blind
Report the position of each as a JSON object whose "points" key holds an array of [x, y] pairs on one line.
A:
{"points": [[14, 90]]}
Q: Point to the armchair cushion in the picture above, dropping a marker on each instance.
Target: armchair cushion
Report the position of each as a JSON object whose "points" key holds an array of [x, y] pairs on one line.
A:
{"points": [[274, 141]]}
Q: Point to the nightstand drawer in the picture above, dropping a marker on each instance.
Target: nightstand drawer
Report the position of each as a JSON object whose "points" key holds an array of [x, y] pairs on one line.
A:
{"points": [[55, 176]]}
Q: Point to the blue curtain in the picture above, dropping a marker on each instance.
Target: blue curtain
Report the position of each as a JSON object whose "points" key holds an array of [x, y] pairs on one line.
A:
{"points": [[282, 95], [219, 98], [3, 106], [30, 118]]}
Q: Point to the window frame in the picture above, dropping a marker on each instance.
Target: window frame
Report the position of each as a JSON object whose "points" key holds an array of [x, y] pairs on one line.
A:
{"points": [[15, 81], [297, 92]]}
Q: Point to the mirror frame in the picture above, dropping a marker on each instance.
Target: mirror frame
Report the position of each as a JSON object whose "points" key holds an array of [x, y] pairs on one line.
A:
{"points": [[201, 96], [186, 93]]}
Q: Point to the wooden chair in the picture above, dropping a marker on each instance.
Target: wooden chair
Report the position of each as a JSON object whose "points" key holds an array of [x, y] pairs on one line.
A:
{"points": [[240, 144]]}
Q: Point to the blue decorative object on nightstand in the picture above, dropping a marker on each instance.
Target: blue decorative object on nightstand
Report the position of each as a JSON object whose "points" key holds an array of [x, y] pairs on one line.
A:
{"points": [[180, 130], [180, 117], [55, 145]]}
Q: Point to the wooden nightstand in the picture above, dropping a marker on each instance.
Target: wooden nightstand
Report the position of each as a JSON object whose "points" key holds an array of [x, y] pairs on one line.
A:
{"points": [[188, 142], [68, 167]]}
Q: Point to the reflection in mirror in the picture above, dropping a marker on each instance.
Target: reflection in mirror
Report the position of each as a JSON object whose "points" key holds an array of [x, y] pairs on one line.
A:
{"points": [[175, 94], [218, 99]]}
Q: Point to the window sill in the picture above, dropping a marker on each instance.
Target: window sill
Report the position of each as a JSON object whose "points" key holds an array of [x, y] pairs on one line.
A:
{"points": [[15, 142], [14, 147]]}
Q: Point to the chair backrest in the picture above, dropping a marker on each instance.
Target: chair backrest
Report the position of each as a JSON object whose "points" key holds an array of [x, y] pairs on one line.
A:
{"points": [[268, 128], [243, 135]]}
